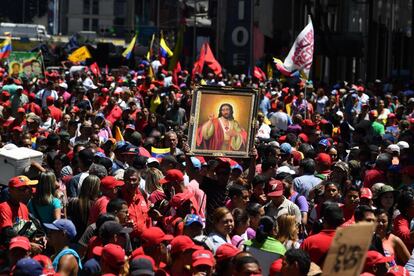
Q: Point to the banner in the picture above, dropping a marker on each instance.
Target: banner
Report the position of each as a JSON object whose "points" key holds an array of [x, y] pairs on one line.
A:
{"points": [[238, 36], [26, 64], [300, 56], [79, 55], [346, 255]]}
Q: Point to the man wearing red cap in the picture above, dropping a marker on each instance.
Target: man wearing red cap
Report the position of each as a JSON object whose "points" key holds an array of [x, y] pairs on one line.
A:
{"points": [[137, 204], [323, 165], [182, 247], [203, 263], [279, 204], [46, 92], [55, 112], [154, 244], [376, 263], [14, 211], [19, 248], [112, 258], [109, 188]]}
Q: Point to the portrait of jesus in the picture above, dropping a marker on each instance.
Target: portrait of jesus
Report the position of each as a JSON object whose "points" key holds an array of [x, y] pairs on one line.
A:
{"points": [[221, 132]]}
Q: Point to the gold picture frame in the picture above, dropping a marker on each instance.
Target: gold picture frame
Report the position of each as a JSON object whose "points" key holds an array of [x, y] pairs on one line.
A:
{"points": [[222, 121]]}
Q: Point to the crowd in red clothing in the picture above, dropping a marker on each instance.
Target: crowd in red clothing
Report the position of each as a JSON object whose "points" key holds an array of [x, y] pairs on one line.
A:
{"points": [[100, 203]]}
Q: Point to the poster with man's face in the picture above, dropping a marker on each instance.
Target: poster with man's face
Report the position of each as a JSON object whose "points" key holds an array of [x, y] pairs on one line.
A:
{"points": [[25, 65], [222, 121]]}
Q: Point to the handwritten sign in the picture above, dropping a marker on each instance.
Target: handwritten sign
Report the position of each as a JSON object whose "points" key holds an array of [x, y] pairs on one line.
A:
{"points": [[346, 256]]}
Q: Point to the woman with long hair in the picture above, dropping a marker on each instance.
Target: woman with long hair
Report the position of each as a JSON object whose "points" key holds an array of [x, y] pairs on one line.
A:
{"points": [[152, 185], [44, 205], [78, 208], [223, 224], [288, 231], [393, 245], [265, 247]]}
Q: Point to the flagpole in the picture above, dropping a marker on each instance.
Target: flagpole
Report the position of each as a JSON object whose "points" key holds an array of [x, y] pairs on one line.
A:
{"points": [[195, 32]]}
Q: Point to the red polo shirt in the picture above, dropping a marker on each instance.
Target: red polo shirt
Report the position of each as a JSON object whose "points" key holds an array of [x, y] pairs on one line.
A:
{"points": [[318, 245], [98, 207], [10, 213], [138, 211]]}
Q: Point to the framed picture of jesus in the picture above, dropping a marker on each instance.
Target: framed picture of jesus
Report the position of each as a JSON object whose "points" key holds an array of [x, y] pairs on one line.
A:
{"points": [[222, 121]]}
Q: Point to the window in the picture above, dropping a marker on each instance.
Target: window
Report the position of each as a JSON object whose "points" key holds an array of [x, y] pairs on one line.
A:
{"points": [[95, 6], [95, 23], [86, 24], [86, 6]]}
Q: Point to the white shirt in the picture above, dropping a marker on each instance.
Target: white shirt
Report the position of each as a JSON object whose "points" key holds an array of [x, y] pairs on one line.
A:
{"points": [[264, 131], [43, 94]]}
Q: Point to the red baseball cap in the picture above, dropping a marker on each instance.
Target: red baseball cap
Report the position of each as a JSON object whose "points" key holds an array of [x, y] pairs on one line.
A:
{"points": [[276, 267], [308, 123], [179, 199], [366, 193], [183, 243], [391, 115], [203, 257], [276, 187], [19, 242], [226, 251], [304, 137], [21, 110], [111, 253], [324, 158], [110, 182], [50, 99], [153, 236], [21, 181], [374, 257], [172, 175], [46, 263]]}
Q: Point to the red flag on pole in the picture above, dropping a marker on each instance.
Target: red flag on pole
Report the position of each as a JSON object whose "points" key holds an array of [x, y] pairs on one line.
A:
{"points": [[199, 64], [211, 60], [94, 67], [177, 69], [259, 74]]}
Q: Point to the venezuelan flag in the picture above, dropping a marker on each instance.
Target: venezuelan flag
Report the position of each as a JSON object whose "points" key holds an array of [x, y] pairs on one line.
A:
{"points": [[165, 51], [128, 51], [160, 152], [5, 47]]}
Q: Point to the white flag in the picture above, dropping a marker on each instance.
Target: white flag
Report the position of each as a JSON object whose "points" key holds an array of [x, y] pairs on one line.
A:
{"points": [[301, 54]]}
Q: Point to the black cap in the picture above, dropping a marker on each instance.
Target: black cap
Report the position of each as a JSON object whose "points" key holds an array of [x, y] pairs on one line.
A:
{"points": [[110, 228], [141, 266]]}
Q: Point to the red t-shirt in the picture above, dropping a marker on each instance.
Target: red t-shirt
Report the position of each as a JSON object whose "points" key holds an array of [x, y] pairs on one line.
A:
{"points": [[9, 213], [98, 207], [318, 245], [55, 113], [402, 230], [114, 115]]}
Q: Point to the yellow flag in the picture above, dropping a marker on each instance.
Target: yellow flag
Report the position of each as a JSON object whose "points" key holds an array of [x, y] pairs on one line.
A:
{"points": [[151, 72], [130, 48], [80, 54], [118, 135], [164, 49]]}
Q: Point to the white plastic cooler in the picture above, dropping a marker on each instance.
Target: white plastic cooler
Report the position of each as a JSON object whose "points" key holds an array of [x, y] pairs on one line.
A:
{"points": [[14, 161]]}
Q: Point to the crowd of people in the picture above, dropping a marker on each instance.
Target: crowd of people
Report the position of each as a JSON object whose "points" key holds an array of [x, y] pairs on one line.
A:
{"points": [[100, 203]]}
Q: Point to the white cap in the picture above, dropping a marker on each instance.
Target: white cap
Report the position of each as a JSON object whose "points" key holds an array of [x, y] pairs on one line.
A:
{"points": [[403, 145], [394, 148], [340, 113], [285, 169], [63, 85], [152, 160]]}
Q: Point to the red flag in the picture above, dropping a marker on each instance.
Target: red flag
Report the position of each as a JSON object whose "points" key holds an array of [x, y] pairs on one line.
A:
{"points": [[259, 74], [199, 64], [94, 67], [211, 60], [177, 69]]}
